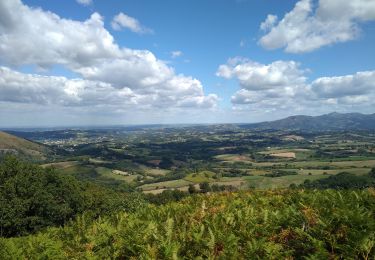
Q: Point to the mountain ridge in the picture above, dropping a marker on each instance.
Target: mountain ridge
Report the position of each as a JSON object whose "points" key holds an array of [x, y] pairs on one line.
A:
{"points": [[331, 121]]}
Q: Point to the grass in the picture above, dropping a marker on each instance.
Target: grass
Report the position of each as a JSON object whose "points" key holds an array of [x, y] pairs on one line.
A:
{"points": [[165, 185], [23, 146], [233, 158], [316, 163], [343, 164], [204, 176], [238, 182], [77, 169], [156, 172], [264, 183], [357, 171], [300, 154], [98, 161], [108, 173], [61, 165]]}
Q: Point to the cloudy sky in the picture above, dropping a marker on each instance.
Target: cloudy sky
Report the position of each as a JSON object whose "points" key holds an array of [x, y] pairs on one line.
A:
{"points": [[96, 62]]}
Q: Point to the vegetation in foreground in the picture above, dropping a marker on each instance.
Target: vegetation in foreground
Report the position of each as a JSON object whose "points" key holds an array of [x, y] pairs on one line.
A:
{"points": [[33, 198], [324, 224]]}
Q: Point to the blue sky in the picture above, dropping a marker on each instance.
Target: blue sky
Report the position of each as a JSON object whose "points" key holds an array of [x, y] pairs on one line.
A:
{"points": [[193, 61]]}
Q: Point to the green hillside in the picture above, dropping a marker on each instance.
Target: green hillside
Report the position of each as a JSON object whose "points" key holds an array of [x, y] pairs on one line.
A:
{"points": [[10, 144], [283, 224]]}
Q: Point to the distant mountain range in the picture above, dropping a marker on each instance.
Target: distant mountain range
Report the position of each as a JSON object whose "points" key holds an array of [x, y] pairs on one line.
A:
{"points": [[332, 121]]}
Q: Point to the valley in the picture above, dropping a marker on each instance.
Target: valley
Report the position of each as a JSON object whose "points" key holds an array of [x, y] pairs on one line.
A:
{"points": [[153, 159]]}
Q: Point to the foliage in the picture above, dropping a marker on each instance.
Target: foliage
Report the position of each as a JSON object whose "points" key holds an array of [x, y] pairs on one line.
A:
{"points": [[166, 196], [216, 188], [280, 173], [192, 189], [282, 224], [341, 180], [33, 198], [372, 173], [204, 187]]}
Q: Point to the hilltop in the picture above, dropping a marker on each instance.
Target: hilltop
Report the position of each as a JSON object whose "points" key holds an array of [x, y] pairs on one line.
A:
{"points": [[332, 121], [10, 144]]}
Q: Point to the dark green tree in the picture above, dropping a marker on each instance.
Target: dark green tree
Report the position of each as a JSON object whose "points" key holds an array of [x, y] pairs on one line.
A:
{"points": [[372, 173], [205, 187], [192, 189], [32, 198]]}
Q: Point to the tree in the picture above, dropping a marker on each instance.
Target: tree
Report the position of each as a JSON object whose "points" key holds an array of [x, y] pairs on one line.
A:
{"points": [[192, 189], [372, 173], [32, 198], [205, 187]]}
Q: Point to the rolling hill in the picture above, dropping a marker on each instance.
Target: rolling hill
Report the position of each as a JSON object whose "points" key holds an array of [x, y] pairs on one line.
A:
{"points": [[332, 121], [10, 144]]}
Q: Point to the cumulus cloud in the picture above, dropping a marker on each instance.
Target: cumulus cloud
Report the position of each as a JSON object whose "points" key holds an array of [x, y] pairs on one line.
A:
{"points": [[283, 85], [45, 90], [110, 74], [255, 76], [133, 69], [84, 2], [33, 36], [357, 89], [310, 26], [269, 22], [361, 83], [122, 20]]}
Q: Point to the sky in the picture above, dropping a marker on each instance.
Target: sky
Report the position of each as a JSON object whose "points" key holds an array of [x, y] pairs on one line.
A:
{"points": [[122, 62]]}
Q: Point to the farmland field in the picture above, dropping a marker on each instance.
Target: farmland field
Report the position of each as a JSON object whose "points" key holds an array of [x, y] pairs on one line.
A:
{"points": [[241, 159]]}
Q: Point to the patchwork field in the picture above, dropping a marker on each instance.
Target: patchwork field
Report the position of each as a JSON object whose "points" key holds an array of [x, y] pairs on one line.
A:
{"points": [[261, 182], [174, 158], [115, 174], [204, 176], [233, 158], [61, 165], [165, 185], [284, 155]]}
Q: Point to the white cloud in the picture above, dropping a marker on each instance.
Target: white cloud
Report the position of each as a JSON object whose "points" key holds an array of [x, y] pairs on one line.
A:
{"points": [[45, 90], [349, 90], [122, 20], [361, 83], [244, 96], [134, 69], [111, 74], [308, 26], [60, 91], [255, 76], [33, 36], [84, 2], [175, 54], [269, 22], [282, 87]]}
